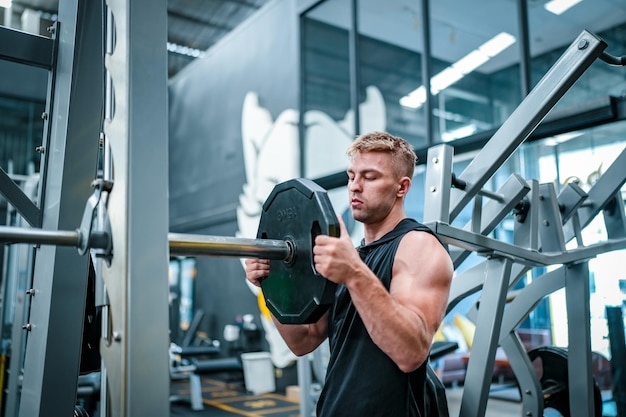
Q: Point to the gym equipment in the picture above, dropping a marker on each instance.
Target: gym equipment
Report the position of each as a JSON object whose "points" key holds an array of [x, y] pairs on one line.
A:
{"points": [[543, 223], [551, 365], [295, 212]]}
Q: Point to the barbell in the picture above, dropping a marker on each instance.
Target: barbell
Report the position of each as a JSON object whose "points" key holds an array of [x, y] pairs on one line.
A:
{"points": [[295, 212]]}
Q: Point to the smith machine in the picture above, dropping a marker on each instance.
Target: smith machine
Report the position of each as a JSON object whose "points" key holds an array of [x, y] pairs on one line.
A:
{"points": [[125, 220]]}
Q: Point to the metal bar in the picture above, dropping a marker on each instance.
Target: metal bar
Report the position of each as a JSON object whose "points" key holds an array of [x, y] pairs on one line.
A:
{"points": [[25, 48], [135, 352], [53, 346], [354, 65], [24, 205], [190, 245], [614, 217], [526, 226], [10, 234], [437, 184], [304, 382], [427, 71], [529, 297], [527, 116], [180, 244], [580, 377], [601, 192], [527, 381], [483, 244], [524, 47], [550, 227], [617, 344], [486, 337], [514, 189]]}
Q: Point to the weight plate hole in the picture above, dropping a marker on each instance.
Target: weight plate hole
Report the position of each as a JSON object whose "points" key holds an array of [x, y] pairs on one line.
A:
{"points": [[292, 251]]}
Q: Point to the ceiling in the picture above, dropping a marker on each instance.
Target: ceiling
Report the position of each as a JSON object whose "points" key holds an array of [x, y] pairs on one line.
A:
{"points": [[459, 26], [195, 24]]}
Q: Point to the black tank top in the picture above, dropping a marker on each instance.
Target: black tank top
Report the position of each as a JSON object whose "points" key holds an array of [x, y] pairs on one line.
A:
{"points": [[361, 380]]}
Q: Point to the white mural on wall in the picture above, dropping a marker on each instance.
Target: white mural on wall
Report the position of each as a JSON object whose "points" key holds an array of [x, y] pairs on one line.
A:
{"points": [[271, 153]]}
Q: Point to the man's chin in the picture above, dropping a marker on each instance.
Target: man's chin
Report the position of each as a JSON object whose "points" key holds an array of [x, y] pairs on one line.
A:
{"points": [[359, 216]]}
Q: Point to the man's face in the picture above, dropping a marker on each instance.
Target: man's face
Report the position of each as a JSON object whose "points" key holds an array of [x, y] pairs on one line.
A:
{"points": [[372, 186]]}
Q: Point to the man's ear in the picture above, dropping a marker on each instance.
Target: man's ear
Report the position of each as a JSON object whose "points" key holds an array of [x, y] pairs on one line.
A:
{"points": [[404, 186]]}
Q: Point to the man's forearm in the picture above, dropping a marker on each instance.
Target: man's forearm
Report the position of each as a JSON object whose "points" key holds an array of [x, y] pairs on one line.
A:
{"points": [[301, 338]]}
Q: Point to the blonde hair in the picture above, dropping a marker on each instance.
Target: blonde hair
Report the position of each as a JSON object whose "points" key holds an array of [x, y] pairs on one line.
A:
{"points": [[401, 151]]}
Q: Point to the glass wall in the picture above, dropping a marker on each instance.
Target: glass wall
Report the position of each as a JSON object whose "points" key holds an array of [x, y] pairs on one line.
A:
{"points": [[475, 81], [476, 50]]}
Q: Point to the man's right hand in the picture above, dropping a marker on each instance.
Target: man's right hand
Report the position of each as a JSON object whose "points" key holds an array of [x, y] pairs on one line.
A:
{"points": [[257, 270]]}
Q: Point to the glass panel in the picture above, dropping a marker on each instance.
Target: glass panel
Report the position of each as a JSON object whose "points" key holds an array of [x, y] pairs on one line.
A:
{"points": [[328, 121], [475, 53], [390, 49], [21, 131], [326, 58], [551, 34]]}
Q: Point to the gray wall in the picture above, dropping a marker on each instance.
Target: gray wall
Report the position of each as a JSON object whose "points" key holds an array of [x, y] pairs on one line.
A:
{"points": [[206, 156]]}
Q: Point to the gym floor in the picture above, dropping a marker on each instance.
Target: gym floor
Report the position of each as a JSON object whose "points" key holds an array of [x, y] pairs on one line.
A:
{"points": [[229, 399]]}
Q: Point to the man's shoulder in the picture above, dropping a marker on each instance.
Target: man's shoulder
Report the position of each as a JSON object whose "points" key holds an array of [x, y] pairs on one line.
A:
{"points": [[410, 224]]}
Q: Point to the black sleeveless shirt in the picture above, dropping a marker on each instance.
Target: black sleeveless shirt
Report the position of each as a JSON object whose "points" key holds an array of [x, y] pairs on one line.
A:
{"points": [[361, 380]]}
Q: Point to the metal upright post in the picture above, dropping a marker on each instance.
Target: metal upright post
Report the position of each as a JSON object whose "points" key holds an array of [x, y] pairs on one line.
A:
{"points": [[486, 337], [304, 382], [437, 184], [55, 325], [135, 354], [580, 378], [617, 342]]}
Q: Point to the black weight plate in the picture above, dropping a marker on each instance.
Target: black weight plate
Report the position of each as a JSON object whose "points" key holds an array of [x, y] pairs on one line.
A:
{"points": [[551, 364], [296, 211]]}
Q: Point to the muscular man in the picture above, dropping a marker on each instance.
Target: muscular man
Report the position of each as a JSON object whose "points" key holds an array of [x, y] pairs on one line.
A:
{"points": [[392, 293]]}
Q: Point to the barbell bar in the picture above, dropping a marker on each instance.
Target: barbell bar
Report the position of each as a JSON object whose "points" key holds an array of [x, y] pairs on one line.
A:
{"points": [[180, 244], [294, 213]]}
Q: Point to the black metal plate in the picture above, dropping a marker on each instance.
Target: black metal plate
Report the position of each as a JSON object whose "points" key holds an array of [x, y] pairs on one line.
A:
{"points": [[551, 365], [296, 211]]}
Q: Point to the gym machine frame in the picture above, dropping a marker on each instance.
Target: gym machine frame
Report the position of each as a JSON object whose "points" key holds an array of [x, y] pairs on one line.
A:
{"points": [[136, 66], [135, 372], [544, 222], [112, 228]]}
